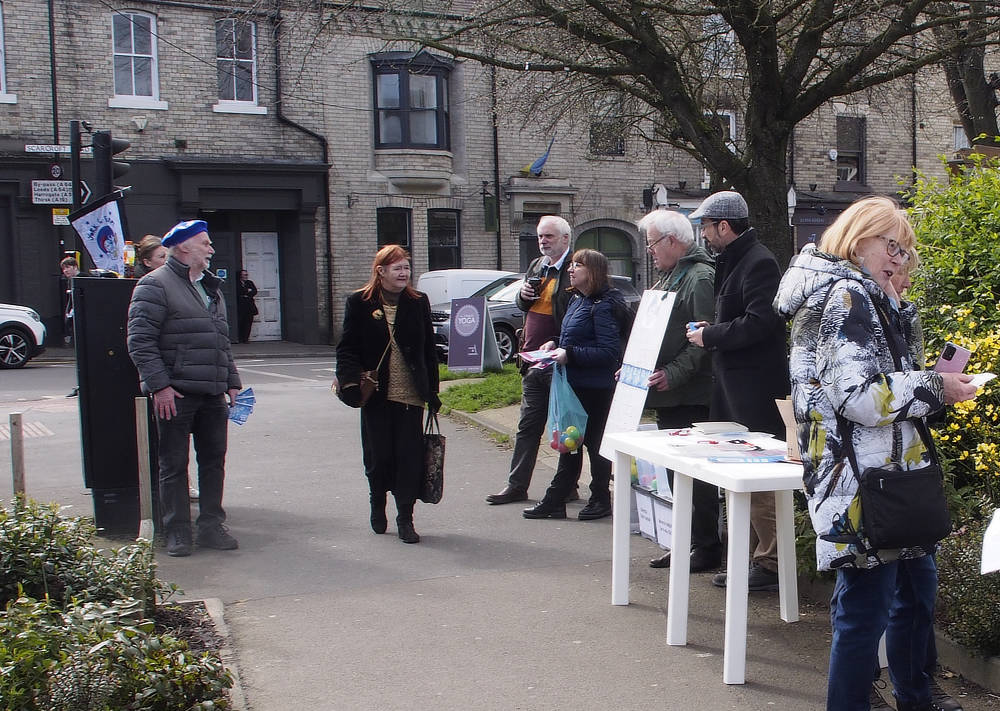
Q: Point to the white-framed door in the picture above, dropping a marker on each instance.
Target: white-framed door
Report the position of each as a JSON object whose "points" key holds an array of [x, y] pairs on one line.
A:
{"points": [[260, 260]]}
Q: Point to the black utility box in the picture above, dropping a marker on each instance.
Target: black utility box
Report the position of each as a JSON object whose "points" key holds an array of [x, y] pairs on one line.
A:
{"points": [[109, 384]]}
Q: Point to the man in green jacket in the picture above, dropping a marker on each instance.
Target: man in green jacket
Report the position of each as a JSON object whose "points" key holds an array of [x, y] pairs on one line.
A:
{"points": [[680, 387]]}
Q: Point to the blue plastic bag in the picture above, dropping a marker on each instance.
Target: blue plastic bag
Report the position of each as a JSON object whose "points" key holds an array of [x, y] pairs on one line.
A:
{"points": [[567, 419]]}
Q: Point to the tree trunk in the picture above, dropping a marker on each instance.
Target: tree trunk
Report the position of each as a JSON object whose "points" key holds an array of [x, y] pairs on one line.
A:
{"points": [[764, 185]]}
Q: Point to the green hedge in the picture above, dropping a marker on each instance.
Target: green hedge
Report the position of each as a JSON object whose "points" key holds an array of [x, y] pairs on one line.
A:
{"points": [[75, 633]]}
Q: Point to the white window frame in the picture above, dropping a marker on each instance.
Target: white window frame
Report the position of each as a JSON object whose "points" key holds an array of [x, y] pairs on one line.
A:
{"points": [[239, 106], [5, 98], [960, 139], [136, 101]]}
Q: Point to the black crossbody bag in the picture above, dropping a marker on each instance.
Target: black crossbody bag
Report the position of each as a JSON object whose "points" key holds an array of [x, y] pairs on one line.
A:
{"points": [[900, 508]]}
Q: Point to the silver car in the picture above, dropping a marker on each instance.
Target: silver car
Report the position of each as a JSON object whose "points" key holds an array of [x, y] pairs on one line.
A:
{"points": [[507, 318]]}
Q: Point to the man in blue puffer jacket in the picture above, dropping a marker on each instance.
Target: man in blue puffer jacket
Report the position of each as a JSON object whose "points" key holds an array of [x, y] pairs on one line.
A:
{"points": [[178, 338]]}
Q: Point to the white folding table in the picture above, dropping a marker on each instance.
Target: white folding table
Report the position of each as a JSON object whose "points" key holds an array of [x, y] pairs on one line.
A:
{"points": [[739, 480]]}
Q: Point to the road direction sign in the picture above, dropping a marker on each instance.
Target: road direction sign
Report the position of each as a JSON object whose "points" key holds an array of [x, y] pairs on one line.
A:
{"points": [[84, 192], [52, 192]]}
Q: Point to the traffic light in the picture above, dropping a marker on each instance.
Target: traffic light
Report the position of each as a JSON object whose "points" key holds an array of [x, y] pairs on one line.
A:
{"points": [[105, 167]]}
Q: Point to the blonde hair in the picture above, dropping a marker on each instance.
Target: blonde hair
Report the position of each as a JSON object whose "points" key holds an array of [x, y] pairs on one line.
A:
{"points": [[868, 217]]}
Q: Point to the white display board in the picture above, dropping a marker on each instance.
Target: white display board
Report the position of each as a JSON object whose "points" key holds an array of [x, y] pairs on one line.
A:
{"points": [[640, 359]]}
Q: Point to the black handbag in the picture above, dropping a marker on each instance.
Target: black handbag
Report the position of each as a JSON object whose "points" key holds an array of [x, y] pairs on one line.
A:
{"points": [[900, 508], [432, 483]]}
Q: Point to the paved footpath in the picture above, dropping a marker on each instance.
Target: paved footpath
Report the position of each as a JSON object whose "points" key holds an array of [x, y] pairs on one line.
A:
{"points": [[488, 611]]}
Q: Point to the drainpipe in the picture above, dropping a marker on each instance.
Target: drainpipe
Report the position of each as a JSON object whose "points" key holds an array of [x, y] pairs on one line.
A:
{"points": [[326, 161], [496, 163], [913, 129], [52, 72]]}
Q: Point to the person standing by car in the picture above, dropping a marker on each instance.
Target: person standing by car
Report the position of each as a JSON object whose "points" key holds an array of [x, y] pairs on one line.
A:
{"points": [[681, 384], [543, 298], [178, 338], [387, 329], [590, 351], [246, 307]]}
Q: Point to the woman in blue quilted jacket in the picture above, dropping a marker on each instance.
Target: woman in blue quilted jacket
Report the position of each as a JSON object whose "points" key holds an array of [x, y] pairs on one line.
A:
{"points": [[590, 350]]}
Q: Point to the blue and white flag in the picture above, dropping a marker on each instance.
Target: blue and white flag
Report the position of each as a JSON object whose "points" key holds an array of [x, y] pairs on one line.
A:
{"points": [[101, 228]]}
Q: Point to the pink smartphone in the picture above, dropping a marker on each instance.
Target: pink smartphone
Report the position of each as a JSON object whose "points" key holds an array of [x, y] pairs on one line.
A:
{"points": [[953, 359]]}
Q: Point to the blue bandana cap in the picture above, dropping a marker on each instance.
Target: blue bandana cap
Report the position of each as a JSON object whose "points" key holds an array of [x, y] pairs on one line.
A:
{"points": [[183, 231]]}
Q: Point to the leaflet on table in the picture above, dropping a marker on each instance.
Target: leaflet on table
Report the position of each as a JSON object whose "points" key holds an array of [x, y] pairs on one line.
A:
{"points": [[726, 446]]}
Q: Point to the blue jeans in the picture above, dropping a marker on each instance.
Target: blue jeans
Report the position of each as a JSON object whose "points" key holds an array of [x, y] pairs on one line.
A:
{"points": [[206, 418], [910, 639], [896, 598]]}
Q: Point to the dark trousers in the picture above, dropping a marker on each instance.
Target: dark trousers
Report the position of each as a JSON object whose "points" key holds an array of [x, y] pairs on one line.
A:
{"points": [[597, 404], [704, 496], [530, 426], [392, 448], [244, 324], [206, 418]]}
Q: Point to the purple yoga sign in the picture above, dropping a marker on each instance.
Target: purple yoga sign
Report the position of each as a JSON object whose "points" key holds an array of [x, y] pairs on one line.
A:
{"points": [[466, 339]]}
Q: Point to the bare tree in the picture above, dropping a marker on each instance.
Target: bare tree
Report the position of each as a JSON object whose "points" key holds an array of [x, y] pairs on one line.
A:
{"points": [[678, 62], [973, 92]]}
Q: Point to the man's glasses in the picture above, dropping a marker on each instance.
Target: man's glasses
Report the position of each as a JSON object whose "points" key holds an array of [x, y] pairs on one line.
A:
{"points": [[893, 249], [649, 247]]}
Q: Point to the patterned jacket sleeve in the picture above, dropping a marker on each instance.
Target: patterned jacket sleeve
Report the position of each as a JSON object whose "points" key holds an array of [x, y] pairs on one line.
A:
{"points": [[856, 370]]}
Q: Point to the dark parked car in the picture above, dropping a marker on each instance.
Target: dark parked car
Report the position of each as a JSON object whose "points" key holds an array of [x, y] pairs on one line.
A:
{"points": [[507, 318]]}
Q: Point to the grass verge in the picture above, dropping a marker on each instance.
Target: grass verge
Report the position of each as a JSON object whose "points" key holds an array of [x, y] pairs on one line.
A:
{"points": [[490, 390]]}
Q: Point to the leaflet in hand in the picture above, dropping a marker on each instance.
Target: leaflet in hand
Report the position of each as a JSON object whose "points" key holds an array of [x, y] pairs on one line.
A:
{"points": [[242, 406], [980, 379], [537, 356]]}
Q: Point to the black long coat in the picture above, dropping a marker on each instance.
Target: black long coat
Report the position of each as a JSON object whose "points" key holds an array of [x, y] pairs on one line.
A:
{"points": [[747, 340], [366, 335]]}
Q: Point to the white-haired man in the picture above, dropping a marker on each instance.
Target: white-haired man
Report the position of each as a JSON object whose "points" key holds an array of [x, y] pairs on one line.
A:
{"points": [[680, 387], [543, 298], [178, 338]]}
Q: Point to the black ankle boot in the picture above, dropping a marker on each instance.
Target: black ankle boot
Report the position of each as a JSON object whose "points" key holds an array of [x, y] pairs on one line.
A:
{"points": [[406, 532], [378, 519], [404, 520]]}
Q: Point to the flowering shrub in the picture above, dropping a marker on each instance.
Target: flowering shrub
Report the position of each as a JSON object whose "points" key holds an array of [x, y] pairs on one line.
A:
{"points": [[967, 601], [956, 290], [969, 439]]}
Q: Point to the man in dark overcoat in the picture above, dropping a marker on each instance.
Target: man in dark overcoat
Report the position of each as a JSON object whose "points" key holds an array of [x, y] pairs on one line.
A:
{"points": [[749, 357]]}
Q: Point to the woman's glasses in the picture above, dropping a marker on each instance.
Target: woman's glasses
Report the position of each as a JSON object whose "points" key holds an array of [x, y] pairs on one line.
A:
{"points": [[893, 249]]}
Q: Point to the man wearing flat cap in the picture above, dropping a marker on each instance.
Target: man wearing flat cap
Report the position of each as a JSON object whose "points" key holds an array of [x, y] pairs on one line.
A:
{"points": [[747, 343], [178, 338]]}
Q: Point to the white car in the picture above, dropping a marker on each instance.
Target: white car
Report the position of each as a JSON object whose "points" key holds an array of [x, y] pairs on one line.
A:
{"points": [[22, 335]]}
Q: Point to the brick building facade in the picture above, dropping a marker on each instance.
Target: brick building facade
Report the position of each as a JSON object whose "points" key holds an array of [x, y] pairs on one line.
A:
{"points": [[368, 144]]}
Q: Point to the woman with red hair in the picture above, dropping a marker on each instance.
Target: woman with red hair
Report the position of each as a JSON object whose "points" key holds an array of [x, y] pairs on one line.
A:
{"points": [[387, 329]]}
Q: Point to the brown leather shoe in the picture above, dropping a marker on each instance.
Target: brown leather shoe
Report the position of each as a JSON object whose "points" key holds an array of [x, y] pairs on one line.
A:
{"points": [[509, 495]]}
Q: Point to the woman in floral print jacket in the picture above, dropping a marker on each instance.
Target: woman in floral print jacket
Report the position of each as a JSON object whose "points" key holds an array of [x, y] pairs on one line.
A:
{"points": [[841, 364]]}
